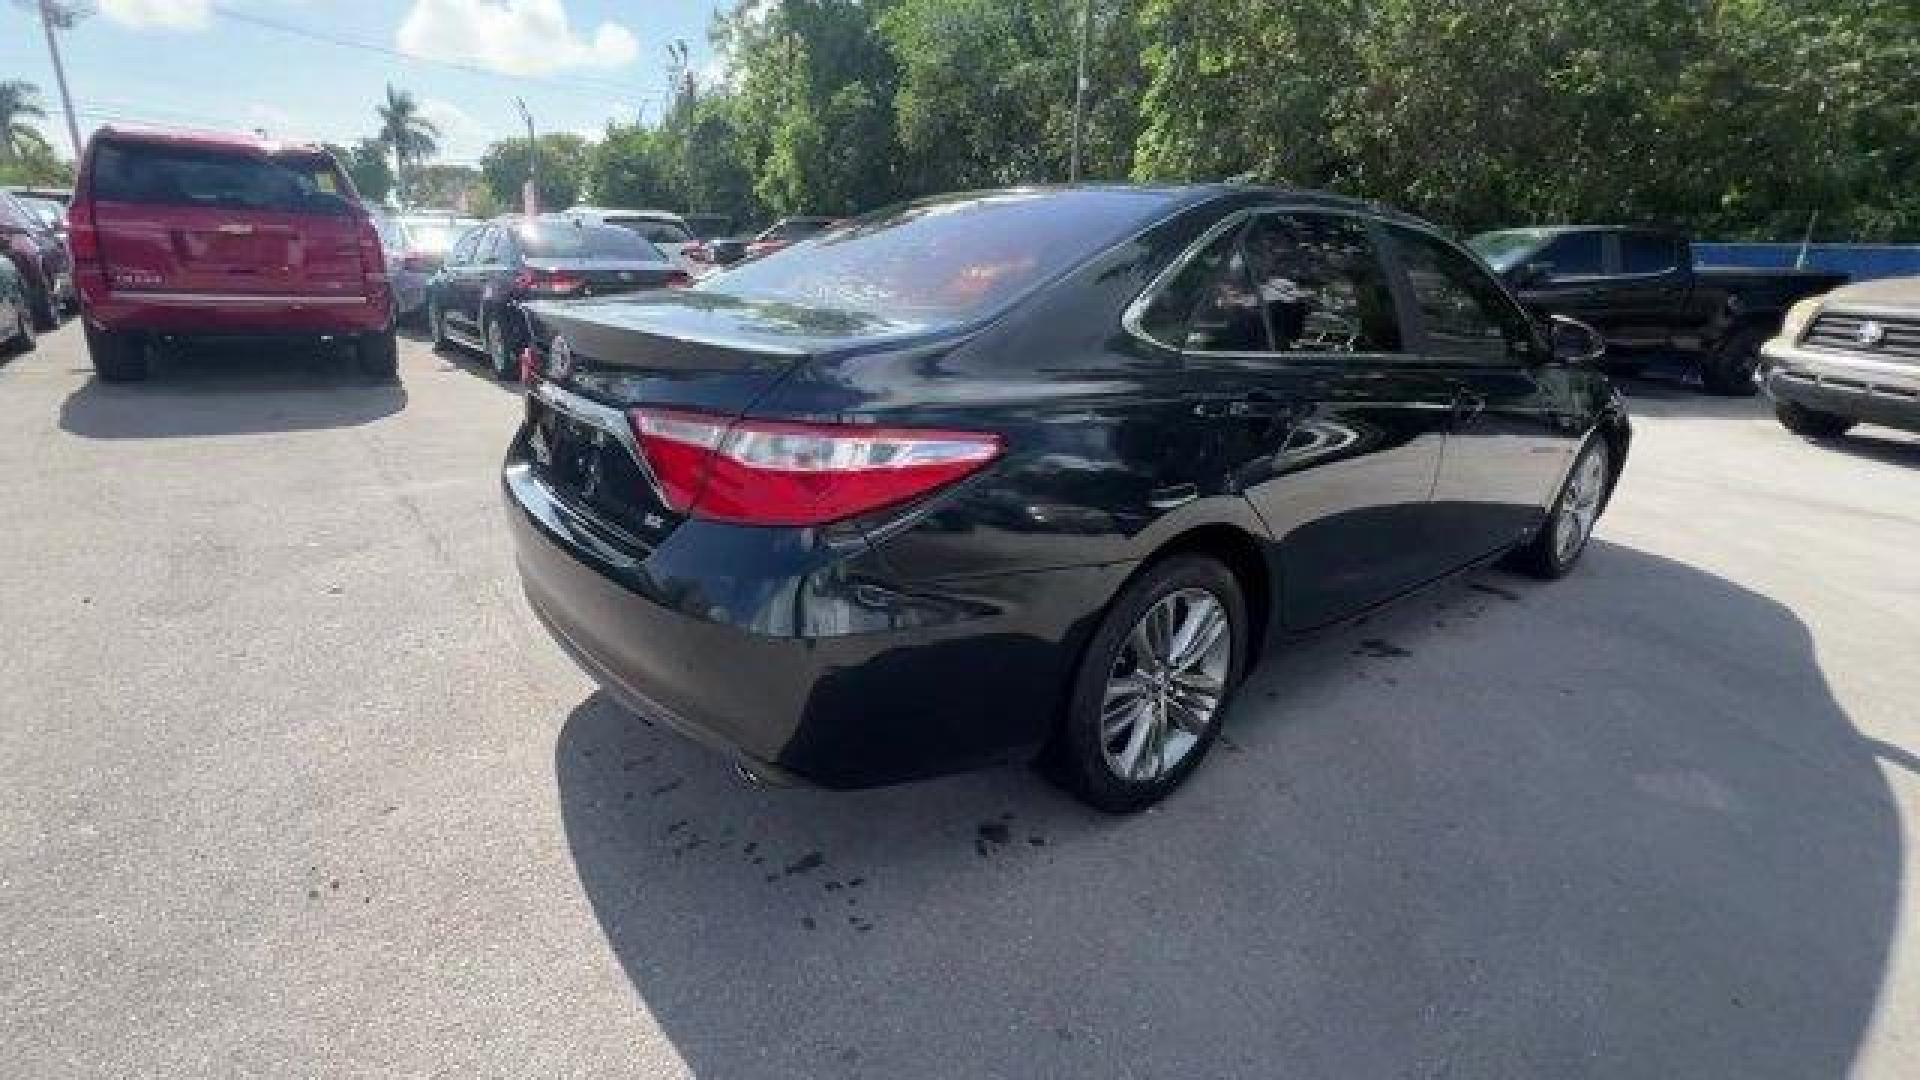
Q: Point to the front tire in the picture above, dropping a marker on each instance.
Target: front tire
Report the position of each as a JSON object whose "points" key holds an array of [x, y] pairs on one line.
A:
{"points": [[1154, 685], [437, 325], [1729, 372], [1558, 545], [1811, 423], [117, 357]]}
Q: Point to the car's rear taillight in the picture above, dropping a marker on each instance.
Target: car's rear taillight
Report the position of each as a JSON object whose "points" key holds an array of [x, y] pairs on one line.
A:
{"points": [[679, 279], [756, 472], [698, 252], [529, 365], [83, 237], [557, 282], [373, 259], [419, 262]]}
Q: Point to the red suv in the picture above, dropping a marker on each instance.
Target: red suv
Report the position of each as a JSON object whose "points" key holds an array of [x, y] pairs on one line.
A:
{"points": [[206, 235]]}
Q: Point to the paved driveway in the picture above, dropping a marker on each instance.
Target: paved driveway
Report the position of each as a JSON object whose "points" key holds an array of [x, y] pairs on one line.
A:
{"points": [[291, 784]]}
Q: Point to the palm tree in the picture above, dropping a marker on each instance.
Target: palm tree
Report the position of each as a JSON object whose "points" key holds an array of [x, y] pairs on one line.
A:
{"points": [[410, 135], [19, 102]]}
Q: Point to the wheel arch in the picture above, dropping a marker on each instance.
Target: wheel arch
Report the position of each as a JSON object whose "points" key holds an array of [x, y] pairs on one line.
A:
{"points": [[1247, 557]]}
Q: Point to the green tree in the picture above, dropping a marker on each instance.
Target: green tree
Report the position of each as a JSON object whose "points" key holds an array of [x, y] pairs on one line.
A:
{"points": [[19, 103], [367, 166], [633, 167], [986, 90], [563, 169], [446, 187], [410, 135], [37, 165]]}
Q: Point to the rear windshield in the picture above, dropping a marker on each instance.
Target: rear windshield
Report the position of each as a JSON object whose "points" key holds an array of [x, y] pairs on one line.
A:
{"points": [[654, 231], [194, 176], [579, 240], [945, 259], [433, 235]]}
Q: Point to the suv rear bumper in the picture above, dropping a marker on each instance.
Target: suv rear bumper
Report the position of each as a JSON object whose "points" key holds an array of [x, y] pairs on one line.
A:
{"points": [[236, 313], [1853, 385], [804, 665]]}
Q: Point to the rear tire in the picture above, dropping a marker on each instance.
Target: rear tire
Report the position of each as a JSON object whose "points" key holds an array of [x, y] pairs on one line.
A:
{"points": [[46, 310], [1561, 541], [1811, 423], [117, 357], [23, 340], [499, 350], [1135, 672], [378, 355], [1729, 371]]}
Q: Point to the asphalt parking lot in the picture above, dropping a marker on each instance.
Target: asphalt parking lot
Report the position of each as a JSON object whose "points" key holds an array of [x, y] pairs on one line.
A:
{"points": [[292, 784]]}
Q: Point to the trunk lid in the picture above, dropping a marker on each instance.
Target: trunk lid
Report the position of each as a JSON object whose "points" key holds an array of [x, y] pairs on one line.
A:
{"points": [[680, 349], [225, 221]]}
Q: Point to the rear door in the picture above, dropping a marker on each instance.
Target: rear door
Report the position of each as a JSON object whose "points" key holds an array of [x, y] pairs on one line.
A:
{"points": [[224, 221], [1512, 427], [1647, 291], [1320, 412]]}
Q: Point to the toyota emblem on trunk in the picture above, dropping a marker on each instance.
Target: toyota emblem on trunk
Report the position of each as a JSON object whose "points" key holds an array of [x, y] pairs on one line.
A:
{"points": [[559, 359], [1870, 334]]}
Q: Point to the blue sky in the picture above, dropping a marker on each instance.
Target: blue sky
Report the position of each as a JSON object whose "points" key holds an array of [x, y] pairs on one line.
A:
{"points": [[209, 63]]}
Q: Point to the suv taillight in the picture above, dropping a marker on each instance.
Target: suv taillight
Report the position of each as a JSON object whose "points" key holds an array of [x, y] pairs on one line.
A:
{"points": [[757, 472], [83, 239], [557, 282], [373, 259]]}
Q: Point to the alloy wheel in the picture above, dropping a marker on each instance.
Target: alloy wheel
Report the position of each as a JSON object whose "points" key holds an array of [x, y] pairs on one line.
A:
{"points": [[1580, 506], [1165, 685]]}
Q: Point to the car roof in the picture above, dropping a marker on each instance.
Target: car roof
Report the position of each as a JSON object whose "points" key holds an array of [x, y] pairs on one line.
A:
{"points": [[204, 140], [607, 211]]}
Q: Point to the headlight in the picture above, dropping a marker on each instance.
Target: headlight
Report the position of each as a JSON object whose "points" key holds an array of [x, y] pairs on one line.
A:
{"points": [[1798, 316]]}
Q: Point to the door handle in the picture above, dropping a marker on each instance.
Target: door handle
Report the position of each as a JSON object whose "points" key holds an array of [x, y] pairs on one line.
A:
{"points": [[1254, 406], [1467, 405]]}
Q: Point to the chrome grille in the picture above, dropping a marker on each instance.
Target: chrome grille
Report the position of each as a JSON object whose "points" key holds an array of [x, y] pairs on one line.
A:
{"points": [[1898, 339]]}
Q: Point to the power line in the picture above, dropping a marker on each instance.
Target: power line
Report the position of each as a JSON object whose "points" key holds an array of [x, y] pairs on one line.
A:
{"points": [[616, 90]]}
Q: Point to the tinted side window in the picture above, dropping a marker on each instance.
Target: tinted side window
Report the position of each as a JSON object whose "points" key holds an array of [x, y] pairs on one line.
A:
{"points": [[1575, 255], [1209, 305], [1320, 284], [1464, 311], [191, 176], [1648, 253]]}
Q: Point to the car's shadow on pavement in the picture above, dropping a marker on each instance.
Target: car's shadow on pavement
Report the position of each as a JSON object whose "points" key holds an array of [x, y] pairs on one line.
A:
{"points": [[231, 389], [1612, 826]]}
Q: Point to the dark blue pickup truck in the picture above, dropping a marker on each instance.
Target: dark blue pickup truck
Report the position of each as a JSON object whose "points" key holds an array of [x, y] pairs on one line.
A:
{"points": [[1640, 289]]}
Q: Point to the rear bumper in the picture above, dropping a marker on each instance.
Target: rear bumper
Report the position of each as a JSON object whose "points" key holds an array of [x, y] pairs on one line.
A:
{"points": [[190, 313], [1856, 386], [805, 664]]}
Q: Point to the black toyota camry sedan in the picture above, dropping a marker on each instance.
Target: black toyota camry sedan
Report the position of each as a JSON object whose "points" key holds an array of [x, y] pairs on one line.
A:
{"points": [[1035, 472]]}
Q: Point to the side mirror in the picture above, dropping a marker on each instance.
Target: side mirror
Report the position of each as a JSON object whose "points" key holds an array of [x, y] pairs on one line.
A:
{"points": [[1574, 342]]}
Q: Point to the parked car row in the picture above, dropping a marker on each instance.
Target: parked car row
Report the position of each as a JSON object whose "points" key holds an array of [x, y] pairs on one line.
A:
{"points": [[35, 246]]}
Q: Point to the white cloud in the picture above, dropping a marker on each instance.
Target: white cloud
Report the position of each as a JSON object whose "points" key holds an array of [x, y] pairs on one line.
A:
{"points": [[518, 37], [461, 136], [161, 14]]}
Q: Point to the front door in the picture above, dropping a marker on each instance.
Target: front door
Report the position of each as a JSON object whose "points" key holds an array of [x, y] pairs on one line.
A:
{"points": [[1321, 415], [1513, 427]]}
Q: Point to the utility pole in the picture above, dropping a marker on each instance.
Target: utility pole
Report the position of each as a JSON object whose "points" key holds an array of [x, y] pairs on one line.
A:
{"points": [[52, 15], [1080, 91], [531, 196]]}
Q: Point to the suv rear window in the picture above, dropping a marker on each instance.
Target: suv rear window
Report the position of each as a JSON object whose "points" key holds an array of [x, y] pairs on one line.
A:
{"points": [[195, 176], [577, 240]]}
